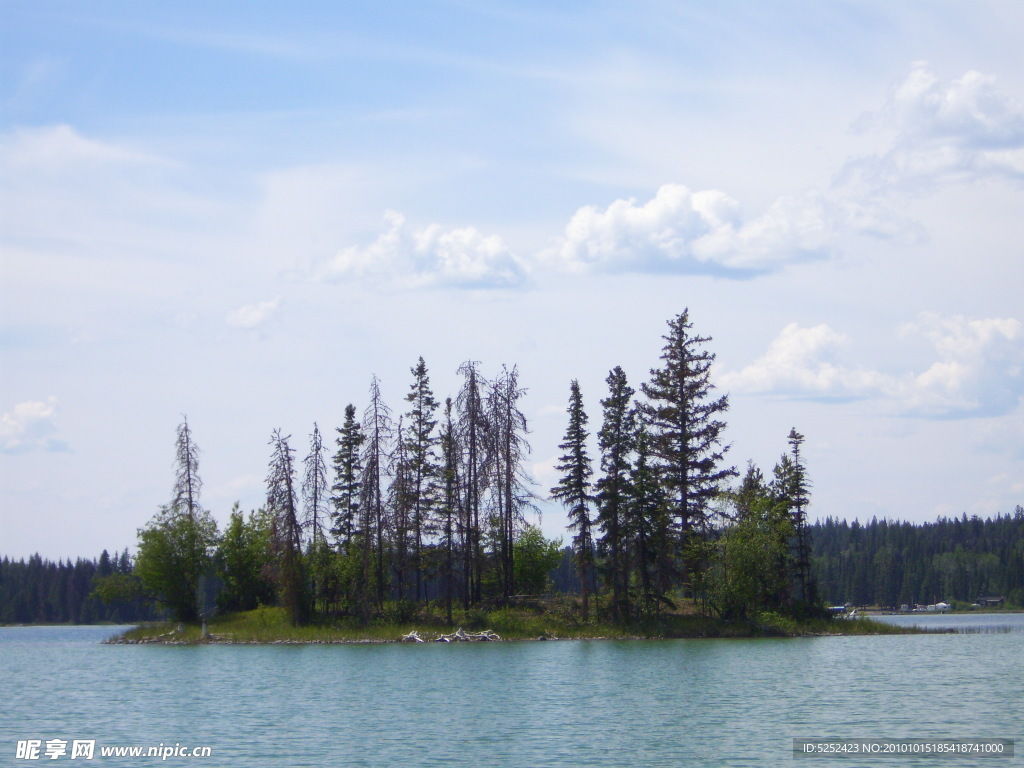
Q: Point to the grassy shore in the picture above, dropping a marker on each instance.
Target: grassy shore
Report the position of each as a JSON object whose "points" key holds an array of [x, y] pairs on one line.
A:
{"points": [[547, 621]]}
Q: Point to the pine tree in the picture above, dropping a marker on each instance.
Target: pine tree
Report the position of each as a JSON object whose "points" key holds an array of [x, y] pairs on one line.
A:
{"points": [[650, 530], [314, 487], [187, 484], [509, 491], [616, 440], [573, 490], [450, 508], [686, 433], [421, 450], [792, 488], [315, 509], [286, 530], [347, 481], [378, 431], [472, 431]]}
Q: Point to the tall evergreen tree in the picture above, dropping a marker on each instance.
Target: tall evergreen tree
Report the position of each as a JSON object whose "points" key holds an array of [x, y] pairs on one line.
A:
{"points": [[421, 451], [450, 509], [286, 529], [316, 498], [509, 491], [683, 419], [473, 428], [573, 490], [347, 481], [378, 431], [792, 488], [401, 502], [650, 530], [315, 491], [616, 440], [187, 485]]}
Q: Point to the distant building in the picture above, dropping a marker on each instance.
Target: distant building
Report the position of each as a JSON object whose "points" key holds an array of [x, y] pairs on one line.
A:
{"points": [[989, 601]]}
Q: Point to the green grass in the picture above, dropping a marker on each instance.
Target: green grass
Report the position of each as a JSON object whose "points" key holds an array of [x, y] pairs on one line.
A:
{"points": [[555, 618]]}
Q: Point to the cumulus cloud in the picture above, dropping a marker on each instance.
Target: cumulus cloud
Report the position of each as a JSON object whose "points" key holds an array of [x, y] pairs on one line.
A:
{"points": [[30, 426], [979, 370], [253, 315], [704, 232], [803, 362], [960, 130], [430, 257]]}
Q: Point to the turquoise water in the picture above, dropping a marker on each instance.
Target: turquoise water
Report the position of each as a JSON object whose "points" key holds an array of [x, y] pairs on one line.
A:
{"points": [[565, 703]]}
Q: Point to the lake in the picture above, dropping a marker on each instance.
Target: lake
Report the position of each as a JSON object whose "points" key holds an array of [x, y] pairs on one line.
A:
{"points": [[565, 703]]}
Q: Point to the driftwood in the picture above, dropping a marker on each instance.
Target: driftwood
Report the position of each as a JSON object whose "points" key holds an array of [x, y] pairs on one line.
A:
{"points": [[458, 636]]}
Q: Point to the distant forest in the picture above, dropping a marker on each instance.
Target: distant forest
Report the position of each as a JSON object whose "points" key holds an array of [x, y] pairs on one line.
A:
{"points": [[882, 562], [43, 592], [892, 564]]}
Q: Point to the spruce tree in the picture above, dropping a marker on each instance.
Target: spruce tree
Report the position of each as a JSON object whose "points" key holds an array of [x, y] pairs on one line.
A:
{"points": [[187, 484], [286, 529], [616, 440], [507, 450], [472, 428], [573, 490], [347, 481], [378, 431], [315, 500], [649, 529], [683, 419], [450, 508], [421, 451]]}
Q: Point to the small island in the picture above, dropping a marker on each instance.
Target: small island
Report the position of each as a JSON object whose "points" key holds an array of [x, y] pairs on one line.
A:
{"points": [[420, 529]]}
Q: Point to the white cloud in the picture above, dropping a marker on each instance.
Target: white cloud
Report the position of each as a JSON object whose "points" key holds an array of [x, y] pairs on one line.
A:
{"points": [[30, 426], [802, 362], [979, 371], [680, 231], [253, 315], [429, 257], [961, 130]]}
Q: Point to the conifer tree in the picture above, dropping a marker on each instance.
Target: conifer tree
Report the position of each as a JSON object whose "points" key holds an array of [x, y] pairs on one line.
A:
{"points": [[421, 452], [315, 497], [286, 529], [650, 530], [792, 488], [378, 431], [187, 485], [616, 440], [401, 503], [450, 504], [472, 430], [683, 419], [509, 492], [315, 488], [347, 482], [573, 490]]}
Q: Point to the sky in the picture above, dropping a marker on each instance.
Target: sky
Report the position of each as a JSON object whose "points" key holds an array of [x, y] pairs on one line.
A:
{"points": [[240, 213]]}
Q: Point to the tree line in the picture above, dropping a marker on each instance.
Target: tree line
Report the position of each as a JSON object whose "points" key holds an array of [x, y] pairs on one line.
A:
{"points": [[891, 563], [65, 592]]}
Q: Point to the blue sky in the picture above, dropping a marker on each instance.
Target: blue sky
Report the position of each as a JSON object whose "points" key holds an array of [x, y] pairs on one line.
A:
{"points": [[240, 213]]}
